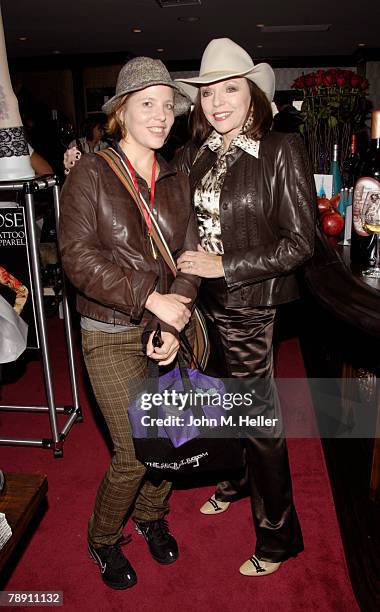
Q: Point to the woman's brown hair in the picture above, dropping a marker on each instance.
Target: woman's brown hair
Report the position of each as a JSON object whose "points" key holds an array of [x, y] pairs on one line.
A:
{"points": [[200, 129], [114, 127]]}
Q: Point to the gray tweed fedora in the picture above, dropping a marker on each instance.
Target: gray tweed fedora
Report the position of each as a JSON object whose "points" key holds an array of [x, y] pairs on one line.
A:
{"points": [[142, 72]]}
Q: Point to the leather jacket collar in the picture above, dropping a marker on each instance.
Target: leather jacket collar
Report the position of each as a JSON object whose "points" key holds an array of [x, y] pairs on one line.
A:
{"points": [[165, 168]]}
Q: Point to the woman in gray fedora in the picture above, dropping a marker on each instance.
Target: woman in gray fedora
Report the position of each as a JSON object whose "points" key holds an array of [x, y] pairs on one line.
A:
{"points": [[254, 196], [123, 290]]}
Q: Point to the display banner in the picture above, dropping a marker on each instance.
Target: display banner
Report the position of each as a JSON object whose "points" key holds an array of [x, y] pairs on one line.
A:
{"points": [[16, 284]]}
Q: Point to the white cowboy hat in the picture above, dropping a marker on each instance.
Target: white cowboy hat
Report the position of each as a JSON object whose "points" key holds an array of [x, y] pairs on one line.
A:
{"points": [[223, 59]]}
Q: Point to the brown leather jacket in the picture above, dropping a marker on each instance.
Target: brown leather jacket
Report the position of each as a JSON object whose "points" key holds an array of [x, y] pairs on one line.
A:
{"points": [[267, 214], [104, 247]]}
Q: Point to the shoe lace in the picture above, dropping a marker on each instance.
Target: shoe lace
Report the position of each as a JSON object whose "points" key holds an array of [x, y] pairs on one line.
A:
{"points": [[256, 563], [114, 553], [214, 503], [160, 528]]}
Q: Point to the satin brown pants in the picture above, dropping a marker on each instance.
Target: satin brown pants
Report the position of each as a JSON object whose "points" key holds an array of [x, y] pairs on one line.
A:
{"points": [[241, 340]]}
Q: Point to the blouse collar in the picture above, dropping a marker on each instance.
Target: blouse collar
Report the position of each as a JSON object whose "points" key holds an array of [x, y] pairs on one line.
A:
{"points": [[215, 142]]}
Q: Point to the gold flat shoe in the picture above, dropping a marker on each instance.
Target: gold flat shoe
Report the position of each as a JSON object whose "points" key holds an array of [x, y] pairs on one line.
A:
{"points": [[214, 506], [258, 567]]}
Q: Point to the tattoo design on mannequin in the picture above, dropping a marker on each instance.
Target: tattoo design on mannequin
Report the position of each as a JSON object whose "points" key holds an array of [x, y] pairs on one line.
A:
{"points": [[12, 142], [4, 114]]}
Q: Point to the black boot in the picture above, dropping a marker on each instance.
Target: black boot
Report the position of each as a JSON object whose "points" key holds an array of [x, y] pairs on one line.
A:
{"points": [[115, 568], [162, 544]]}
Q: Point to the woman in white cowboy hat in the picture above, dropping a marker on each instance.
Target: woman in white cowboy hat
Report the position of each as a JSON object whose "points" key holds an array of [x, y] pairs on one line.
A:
{"points": [[254, 196], [124, 290]]}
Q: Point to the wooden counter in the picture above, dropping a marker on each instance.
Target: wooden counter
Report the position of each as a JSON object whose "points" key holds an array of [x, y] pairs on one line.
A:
{"points": [[340, 288], [340, 340], [19, 501], [353, 302]]}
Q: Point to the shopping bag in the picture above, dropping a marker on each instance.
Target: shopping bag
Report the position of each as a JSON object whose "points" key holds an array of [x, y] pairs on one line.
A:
{"points": [[184, 433]]}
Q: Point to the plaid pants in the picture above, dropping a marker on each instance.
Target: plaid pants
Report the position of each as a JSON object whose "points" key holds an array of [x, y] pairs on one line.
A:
{"points": [[116, 363]]}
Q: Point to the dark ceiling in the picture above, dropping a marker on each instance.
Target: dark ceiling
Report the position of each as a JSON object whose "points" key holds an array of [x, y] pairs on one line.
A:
{"points": [[67, 27]]}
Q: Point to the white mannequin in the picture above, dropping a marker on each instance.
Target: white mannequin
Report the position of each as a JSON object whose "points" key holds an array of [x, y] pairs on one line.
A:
{"points": [[14, 155]]}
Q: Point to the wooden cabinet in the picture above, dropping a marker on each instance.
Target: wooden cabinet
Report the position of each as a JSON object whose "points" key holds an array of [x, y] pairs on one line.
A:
{"points": [[340, 340], [21, 497]]}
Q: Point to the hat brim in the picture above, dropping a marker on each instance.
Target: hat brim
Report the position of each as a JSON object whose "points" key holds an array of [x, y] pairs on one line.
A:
{"points": [[182, 101], [261, 74]]}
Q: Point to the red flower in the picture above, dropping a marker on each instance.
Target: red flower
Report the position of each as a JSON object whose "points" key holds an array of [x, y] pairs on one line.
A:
{"points": [[355, 80], [309, 80], [341, 78], [299, 83], [328, 79]]}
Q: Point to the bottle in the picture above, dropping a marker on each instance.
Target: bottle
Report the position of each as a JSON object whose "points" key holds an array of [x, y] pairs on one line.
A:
{"points": [[362, 246], [351, 165], [335, 171]]}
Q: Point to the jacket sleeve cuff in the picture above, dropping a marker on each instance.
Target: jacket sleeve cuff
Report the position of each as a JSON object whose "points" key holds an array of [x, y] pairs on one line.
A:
{"points": [[142, 286], [152, 326], [228, 272]]}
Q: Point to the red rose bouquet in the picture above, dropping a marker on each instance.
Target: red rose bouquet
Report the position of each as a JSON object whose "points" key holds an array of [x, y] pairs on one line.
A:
{"points": [[334, 107]]}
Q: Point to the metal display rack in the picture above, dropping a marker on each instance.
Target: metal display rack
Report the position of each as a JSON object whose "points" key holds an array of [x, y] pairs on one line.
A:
{"points": [[28, 187]]}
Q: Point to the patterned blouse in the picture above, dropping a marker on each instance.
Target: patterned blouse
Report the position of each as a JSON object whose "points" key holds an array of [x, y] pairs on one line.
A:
{"points": [[207, 194]]}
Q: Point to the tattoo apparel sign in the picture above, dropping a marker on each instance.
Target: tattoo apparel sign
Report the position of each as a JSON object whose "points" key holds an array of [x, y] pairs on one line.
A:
{"points": [[16, 285]]}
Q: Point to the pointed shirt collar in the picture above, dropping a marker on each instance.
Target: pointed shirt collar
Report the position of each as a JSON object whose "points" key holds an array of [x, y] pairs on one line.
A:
{"points": [[215, 143]]}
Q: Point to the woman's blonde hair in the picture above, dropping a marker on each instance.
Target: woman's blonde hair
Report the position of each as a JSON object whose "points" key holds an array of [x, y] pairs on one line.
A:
{"points": [[115, 128]]}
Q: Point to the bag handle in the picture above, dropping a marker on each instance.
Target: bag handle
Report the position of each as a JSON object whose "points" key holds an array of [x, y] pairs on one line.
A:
{"points": [[120, 168], [153, 371], [154, 376]]}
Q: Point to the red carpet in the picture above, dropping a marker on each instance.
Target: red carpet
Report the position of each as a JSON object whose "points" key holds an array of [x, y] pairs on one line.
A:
{"points": [[205, 578]]}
